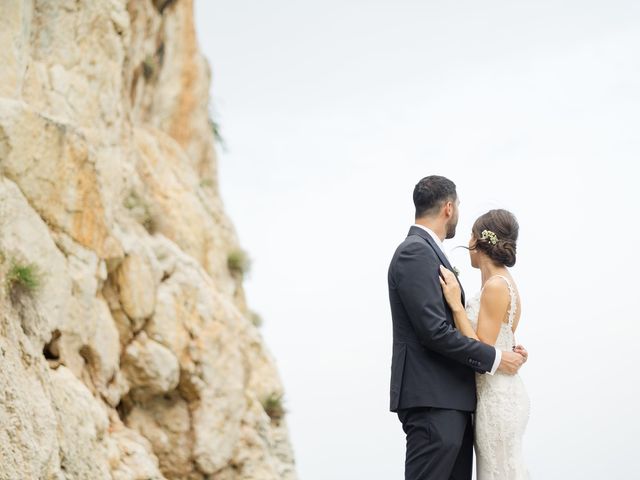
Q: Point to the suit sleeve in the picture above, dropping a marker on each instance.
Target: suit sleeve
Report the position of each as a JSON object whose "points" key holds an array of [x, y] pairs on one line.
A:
{"points": [[418, 285]]}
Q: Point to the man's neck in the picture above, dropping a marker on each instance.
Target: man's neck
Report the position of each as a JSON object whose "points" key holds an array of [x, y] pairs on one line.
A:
{"points": [[439, 230]]}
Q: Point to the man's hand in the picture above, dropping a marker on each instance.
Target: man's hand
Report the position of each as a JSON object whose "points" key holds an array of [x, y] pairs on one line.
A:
{"points": [[511, 362], [522, 351]]}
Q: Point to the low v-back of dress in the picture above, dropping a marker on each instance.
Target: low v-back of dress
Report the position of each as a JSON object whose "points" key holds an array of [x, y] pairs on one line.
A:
{"points": [[502, 411]]}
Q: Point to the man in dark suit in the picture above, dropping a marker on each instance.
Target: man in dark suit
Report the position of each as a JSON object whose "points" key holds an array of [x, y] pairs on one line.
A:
{"points": [[433, 365]]}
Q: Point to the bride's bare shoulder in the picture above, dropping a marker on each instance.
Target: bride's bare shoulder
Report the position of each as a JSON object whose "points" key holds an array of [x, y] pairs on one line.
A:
{"points": [[495, 293]]}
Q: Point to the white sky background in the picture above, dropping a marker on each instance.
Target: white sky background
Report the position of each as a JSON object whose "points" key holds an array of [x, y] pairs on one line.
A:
{"points": [[332, 110]]}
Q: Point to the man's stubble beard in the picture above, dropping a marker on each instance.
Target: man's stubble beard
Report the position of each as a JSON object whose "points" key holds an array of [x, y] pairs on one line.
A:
{"points": [[451, 228]]}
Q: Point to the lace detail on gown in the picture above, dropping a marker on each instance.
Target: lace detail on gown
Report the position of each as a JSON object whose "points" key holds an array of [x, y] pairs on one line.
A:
{"points": [[502, 412]]}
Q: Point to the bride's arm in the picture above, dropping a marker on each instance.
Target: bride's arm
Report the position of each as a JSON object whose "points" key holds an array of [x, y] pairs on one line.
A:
{"points": [[493, 304], [464, 325]]}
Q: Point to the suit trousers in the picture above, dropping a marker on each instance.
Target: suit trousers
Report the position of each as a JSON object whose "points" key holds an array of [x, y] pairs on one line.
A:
{"points": [[439, 443]]}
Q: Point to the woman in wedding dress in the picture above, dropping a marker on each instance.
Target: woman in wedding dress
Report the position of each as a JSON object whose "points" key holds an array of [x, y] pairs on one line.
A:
{"points": [[492, 316]]}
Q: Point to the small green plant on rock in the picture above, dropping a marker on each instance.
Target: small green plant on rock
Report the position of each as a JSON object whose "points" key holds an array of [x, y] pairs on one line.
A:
{"points": [[238, 262], [22, 279], [273, 406], [217, 136], [207, 182], [141, 211], [256, 319]]}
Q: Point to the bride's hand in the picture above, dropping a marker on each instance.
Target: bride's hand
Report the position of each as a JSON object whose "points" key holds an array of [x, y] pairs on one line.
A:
{"points": [[450, 288]]}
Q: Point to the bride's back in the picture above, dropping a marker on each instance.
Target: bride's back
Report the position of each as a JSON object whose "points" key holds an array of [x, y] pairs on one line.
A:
{"points": [[509, 324]]}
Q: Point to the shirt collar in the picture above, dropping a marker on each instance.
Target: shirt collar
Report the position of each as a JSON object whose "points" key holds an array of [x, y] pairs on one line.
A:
{"points": [[431, 232], [434, 236]]}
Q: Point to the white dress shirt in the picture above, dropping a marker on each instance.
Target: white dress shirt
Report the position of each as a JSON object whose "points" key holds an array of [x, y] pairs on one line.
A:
{"points": [[435, 237]]}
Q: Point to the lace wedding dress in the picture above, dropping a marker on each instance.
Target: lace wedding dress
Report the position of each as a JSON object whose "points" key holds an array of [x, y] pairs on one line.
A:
{"points": [[502, 411]]}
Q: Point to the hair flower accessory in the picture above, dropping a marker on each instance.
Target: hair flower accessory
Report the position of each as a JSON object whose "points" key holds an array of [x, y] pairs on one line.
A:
{"points": [[489, 235]]}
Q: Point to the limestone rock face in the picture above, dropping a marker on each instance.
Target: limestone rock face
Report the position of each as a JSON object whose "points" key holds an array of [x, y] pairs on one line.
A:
{"points": [[127, 349]]}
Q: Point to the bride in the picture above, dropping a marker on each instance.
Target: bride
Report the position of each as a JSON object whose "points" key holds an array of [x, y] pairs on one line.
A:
{"points": [[492, 316]]}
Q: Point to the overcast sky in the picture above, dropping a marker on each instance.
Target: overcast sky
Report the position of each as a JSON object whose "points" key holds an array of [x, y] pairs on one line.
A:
{"points": [[332, 110]]}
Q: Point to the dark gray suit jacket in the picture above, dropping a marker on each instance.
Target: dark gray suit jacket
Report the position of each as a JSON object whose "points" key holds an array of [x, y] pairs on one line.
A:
{"points": [[433, 364]]}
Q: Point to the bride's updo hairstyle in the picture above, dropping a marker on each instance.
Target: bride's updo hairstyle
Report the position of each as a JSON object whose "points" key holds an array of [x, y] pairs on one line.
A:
{"points": [[504, 225]]}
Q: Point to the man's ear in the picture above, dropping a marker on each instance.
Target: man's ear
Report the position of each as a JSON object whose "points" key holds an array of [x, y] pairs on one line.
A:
{"points": [[448, 209]]}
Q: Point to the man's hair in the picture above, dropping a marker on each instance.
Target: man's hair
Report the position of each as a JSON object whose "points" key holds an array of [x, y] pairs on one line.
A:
{"points": [[431, 193]]}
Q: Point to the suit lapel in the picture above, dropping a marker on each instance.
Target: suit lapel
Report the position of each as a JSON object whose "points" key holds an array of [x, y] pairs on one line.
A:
{"points": [[443, 258], [424, 234]]}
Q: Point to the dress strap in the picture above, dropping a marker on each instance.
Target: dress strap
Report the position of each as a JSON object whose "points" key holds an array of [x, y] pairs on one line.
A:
{"points": [[512, 297]]}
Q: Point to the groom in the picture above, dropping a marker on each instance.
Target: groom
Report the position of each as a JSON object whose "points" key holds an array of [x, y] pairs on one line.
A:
{"points": [[433, 365]]}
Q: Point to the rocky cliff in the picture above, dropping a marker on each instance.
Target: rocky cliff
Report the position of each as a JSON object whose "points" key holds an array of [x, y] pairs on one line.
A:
{"points": [[127, 349]]}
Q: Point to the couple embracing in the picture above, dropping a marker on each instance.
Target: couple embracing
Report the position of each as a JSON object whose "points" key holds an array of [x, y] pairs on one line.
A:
{"points": [[454, 368]]}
